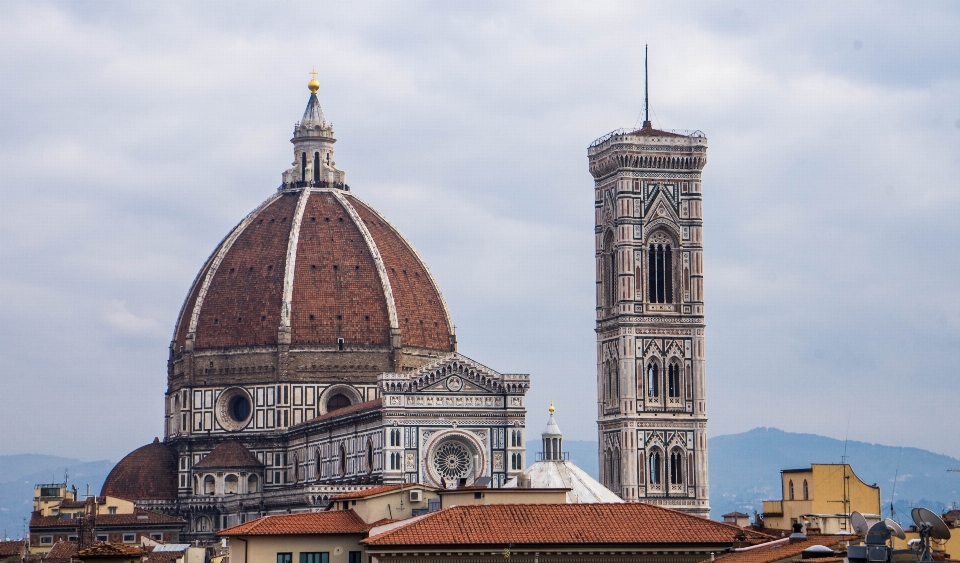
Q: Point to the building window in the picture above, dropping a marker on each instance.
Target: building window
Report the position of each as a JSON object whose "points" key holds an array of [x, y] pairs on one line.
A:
{"points": [[355, 557], [609, 260], [791, 489], [46, 540], [111, 510], [284, 558], [806, 491], [673, 380], [158, 537], [660, 273], [337, 402], [369, 456], [655, 468], [314, 557], [676, 468], [71, 538], [209, 485], [653, 380], [296, 468], [129, 538], [316, 167], [103, 538]]}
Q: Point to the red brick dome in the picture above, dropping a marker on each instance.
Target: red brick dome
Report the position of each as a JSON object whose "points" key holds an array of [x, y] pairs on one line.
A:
{"points": [[146, 473], [312, 266]]}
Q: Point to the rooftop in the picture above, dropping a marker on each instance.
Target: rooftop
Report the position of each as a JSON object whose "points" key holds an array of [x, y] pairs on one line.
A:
{"points": [[782, 549], [374, 491], [332, 522], [111, 550], [525, 524], [229, 455]]}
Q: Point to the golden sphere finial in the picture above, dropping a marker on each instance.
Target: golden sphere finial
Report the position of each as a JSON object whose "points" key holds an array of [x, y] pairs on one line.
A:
{"points": [[551, 406], [313, 85]]}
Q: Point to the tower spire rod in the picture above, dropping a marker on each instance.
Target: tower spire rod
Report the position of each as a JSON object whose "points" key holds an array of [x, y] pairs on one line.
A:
{"points": [[646, 88]]}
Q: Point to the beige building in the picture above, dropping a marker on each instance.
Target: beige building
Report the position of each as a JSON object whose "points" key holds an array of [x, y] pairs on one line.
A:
{"points": [[312, 537], [821, 498]]}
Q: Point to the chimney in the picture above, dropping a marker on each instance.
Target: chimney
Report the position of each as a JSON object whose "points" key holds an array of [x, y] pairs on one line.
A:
{"points": [[797, 535]]}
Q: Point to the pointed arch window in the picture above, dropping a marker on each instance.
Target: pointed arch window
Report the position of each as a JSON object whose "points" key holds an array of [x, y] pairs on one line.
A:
{"points": [[676, 467], [343, 460], [369, 455], [655, 477], [806, 491], [791, 489], [303, 167], [673, 380], [609, 275], [653, 380], [660, 271], [316, 166]]}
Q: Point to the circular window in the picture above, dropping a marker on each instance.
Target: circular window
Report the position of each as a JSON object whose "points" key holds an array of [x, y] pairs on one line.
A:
{"points": [[337, 401], [239, 408], [234, 409], [452, 460]]}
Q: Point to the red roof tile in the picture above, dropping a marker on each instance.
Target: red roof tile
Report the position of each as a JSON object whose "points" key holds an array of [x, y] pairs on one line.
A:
{"points": [[373, 491], [10, 548], [332, 522], [61, 552], [140, 516], [229, 455], [147, 473], [601, 523], [111, 550], [163, 557], [781, 550]]}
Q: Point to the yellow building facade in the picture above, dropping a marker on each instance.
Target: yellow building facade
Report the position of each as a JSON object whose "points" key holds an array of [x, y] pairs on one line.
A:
{"points": [[821, 498]]}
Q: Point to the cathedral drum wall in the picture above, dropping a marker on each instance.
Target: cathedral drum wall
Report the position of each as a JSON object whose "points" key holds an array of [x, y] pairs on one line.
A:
{"points": [[650, 316]]}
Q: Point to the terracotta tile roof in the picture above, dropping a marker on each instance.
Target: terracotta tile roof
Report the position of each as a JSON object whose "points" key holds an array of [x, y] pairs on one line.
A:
{"points": [[72, 503], [10, 548], [139, 517], [735, 514], [648, 131], [111, 550], [368, 405], [781, 550], [147, 473], [331, 522], [374, 491], [229, 455], [61, 552], [380, 522], [600, 523]]}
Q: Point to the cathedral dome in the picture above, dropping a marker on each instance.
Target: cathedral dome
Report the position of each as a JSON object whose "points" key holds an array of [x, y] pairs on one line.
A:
{"points": [[146, 473], [314, 266]]}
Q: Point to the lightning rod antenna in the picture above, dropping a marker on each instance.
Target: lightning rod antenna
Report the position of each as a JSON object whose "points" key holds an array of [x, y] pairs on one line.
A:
{"points": [[646, 87]]}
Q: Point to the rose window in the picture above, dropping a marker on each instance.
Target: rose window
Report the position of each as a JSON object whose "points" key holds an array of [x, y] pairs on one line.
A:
{"points": [[452, 460]]}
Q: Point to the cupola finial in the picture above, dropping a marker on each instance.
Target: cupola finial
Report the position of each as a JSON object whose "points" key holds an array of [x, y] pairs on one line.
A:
{"points": [[551, 406], [313, 85]]}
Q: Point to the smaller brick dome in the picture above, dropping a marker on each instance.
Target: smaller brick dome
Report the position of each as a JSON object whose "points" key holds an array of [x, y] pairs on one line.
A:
{"points": [[146, 473]]}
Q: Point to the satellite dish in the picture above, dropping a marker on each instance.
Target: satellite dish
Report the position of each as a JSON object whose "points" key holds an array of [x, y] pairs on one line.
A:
{"points": [[878, 534], [860, 525], [895, 529], [925, 518]]}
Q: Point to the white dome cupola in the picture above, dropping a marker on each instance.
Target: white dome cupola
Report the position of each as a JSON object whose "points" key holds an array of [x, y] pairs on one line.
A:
{"points": [[313, 162]]}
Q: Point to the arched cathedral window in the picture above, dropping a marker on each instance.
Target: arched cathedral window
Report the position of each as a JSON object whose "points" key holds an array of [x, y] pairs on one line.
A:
{"points": [[676, 467], [653, 380], [609, 271], [673, 380], [660, 269], [303, 168], [654, 467], [791, 489], [806, 491], [316, 166]]}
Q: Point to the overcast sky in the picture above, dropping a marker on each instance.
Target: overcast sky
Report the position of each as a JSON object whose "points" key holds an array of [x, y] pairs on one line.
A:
{"points": [[133, 136]]}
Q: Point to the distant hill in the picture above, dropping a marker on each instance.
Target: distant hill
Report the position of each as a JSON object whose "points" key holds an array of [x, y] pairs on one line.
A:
{"points": [[19, 474], [745, 469]]}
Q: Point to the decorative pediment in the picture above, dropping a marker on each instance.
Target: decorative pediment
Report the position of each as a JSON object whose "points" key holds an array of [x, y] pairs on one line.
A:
{"points": [[454, 373], [662, 203]]}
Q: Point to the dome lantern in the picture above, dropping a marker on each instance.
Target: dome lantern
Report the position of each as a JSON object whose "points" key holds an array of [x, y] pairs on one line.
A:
{"points": [[552, 439]]}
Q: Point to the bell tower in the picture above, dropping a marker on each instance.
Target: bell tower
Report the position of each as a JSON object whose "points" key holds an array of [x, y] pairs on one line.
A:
{"points": [[651, 404]]}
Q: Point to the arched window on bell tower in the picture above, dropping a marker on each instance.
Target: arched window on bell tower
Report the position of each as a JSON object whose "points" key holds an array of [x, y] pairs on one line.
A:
{"points": [[660, 269], [673, 380], [609, 271], [653, 380]]}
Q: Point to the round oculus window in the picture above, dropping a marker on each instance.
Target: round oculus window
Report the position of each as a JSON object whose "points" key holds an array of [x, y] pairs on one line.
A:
{"points": [[452, 460], [234, 409]]}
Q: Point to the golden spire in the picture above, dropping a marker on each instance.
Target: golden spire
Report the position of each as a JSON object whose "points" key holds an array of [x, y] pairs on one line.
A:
{"points": [[551, 406], [313, 84]]}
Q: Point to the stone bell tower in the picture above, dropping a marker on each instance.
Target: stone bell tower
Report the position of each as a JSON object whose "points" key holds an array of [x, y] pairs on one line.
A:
{"points": [[651, 407]]}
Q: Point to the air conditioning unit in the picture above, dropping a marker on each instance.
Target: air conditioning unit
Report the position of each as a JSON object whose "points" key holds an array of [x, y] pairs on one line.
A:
{"points": [[416, 496]]}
